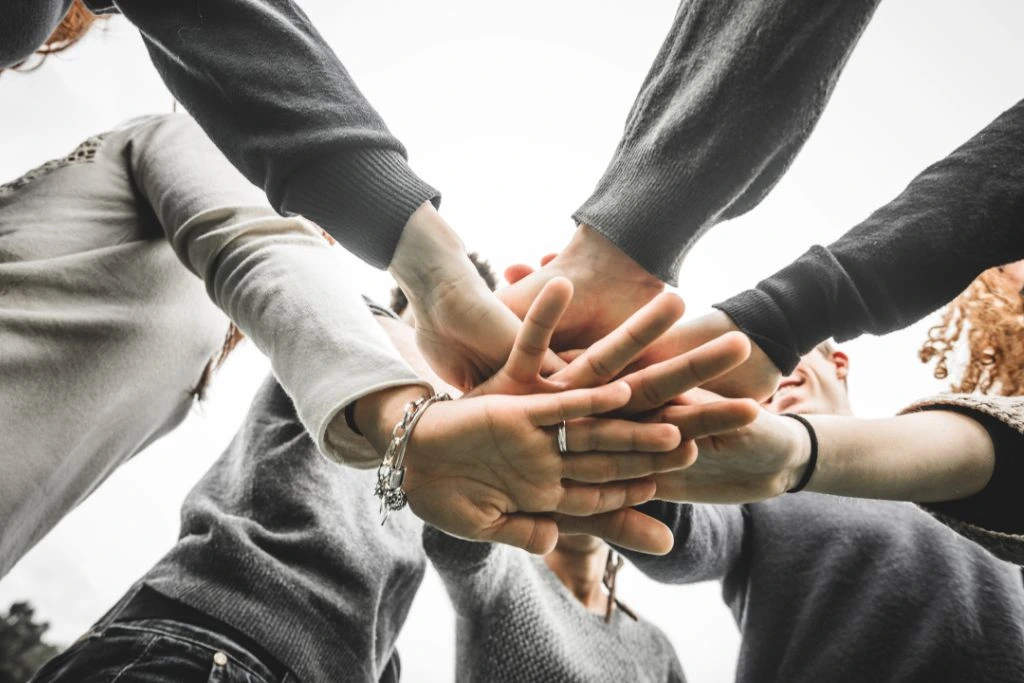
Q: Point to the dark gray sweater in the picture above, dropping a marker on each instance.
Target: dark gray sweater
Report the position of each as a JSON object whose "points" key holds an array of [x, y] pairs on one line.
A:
{"points": [[274, 98], [287, 547], [516, 622], [732, 96], [838, 589]]}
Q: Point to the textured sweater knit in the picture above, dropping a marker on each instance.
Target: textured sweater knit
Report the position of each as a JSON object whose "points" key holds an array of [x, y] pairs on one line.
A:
{"points": [[516, 622], [839, 589], [272, 95], [733, 94], [105, 334], [287, 548]]}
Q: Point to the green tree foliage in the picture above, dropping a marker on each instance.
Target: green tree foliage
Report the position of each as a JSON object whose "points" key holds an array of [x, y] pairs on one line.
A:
{"points": [[22, 650]]}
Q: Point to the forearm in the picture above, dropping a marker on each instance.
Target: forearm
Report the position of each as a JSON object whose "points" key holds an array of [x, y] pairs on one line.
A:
{"points": [[959, 217], [921, 457], [995, 509], [294, 124], [728, 103], [430, 257], [275, 277]]}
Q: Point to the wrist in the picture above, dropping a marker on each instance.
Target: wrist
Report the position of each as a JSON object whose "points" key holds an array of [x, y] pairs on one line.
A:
{"points": [[428, 253], [375, 415], [591, 251]]}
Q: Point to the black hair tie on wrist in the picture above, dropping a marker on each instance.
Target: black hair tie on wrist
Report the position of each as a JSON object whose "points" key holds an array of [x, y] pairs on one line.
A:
{"points": [[812, 460]]}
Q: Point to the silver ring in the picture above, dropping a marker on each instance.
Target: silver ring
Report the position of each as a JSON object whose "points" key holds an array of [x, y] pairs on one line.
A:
{"points": [[563, 439]]}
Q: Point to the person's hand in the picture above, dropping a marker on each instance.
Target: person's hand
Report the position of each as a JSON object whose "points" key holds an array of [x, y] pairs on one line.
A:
{"points": [[609, 285], [594, 309], [756, 378], [745, 453], [485, 468], [488, 467], [462, 329]]}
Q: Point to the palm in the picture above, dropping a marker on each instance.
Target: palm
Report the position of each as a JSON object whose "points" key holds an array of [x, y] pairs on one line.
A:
{"points": [[465, 337]]}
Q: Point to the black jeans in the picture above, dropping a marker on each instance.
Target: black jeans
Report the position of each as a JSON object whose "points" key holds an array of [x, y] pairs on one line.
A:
{"points": [[157, 651]]}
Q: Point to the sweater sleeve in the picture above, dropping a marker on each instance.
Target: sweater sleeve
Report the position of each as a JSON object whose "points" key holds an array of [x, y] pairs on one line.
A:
{"points": [[272, 95], [959, 217], [470, 570], [275, 277], [709, 542], [732, 96], [993, 517]]}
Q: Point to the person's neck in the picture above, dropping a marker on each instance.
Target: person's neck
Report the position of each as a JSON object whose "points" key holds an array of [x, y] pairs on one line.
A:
{"points": [[580, 564]]}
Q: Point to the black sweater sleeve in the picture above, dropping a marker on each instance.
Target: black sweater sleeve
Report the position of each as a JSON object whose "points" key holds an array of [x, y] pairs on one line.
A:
{"points": [[959, 217], [274, 98]]}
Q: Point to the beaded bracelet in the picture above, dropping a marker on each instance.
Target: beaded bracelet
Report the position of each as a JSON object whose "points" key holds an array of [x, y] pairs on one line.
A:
{"points": [[391, 472]]}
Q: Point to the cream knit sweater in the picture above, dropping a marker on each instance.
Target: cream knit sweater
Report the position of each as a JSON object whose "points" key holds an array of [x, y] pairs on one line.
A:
{"points": [[103, 333]]}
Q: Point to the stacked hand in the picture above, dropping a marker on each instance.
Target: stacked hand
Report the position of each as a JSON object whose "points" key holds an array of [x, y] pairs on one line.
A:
{"points": [[748, 454], [487, 466], [609, 287]]}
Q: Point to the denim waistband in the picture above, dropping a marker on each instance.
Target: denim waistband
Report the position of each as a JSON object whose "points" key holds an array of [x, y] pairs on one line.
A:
{"points": [[203, 637]]}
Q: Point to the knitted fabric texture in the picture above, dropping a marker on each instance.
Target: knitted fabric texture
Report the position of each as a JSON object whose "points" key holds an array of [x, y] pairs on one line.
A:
{"points": [[517, 622]]}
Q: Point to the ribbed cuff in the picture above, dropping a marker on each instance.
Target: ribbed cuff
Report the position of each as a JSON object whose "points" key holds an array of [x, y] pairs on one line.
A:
{"points": [[363, 198], [759, 318], [797, 308], [448, 553], [642, 206]]}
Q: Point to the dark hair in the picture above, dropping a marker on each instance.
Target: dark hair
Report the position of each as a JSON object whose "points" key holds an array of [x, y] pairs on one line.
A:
{"points": [[400, 302]]}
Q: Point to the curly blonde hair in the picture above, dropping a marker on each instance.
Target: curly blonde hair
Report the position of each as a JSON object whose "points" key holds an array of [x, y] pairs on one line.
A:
{"points": [[991, 310], [75, 24]]}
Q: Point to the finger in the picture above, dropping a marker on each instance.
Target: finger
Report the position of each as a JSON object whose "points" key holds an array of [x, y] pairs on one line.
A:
{"points": [[537, 534], [627, 528], [517, 272], [571, 354], [581, 500], [534, 337], [552, 364], [547, 258], [697, 421], [600, 434], [548, 409], [597, 468], [608, 356], [657, 384]]}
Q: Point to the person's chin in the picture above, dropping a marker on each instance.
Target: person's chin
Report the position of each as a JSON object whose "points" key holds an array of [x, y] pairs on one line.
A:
{"points": [[787, 404]]}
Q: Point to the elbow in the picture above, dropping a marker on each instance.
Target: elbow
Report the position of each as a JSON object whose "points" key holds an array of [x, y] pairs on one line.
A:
{"points": [[27, 24]]}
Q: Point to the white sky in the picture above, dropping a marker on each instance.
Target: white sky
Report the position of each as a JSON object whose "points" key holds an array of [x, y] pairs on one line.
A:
{"points": [[512, 110]]}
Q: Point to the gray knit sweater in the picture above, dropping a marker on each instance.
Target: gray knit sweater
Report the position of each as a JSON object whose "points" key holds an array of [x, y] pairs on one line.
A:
{"points": [[287, 547], [517, 622], [838, 589]]}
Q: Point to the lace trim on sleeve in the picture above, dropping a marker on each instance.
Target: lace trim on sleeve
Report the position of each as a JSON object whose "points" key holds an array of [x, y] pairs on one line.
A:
{"points": [[84, 153]]}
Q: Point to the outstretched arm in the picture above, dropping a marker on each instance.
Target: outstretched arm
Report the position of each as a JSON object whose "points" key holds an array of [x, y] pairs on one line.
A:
{"points": [[731, 98], [959, 217], [275, 277], [273, 96]]}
